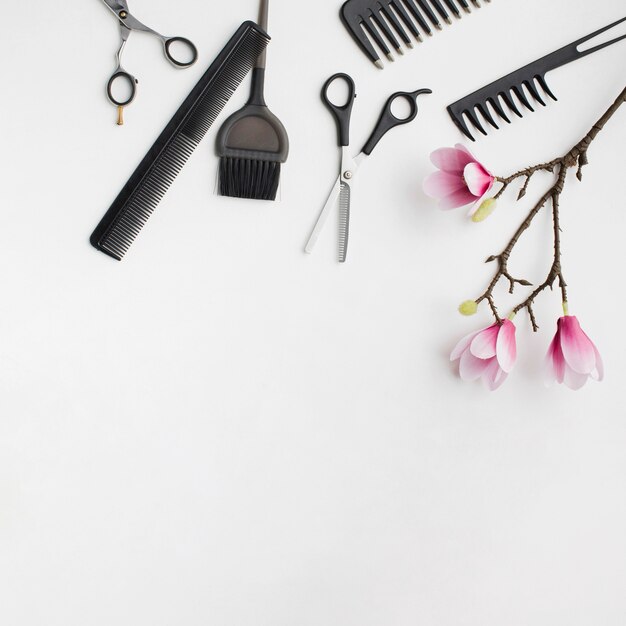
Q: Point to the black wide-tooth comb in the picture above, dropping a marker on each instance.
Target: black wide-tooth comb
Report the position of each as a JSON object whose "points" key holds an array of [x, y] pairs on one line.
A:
{"points": [[155, 174], [390, 24], [507, 92]]}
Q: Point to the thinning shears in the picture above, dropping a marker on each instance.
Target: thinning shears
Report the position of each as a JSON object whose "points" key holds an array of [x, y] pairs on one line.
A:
{"points": [[129, 23], [342, 189]]}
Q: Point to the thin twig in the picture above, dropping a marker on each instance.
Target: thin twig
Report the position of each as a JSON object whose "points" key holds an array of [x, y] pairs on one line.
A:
{"points": [[576, 157], [555, 270]]}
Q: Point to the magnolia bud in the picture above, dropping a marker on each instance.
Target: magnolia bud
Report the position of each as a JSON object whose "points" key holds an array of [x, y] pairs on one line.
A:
{"points": [[485, 210], [469, 307]]}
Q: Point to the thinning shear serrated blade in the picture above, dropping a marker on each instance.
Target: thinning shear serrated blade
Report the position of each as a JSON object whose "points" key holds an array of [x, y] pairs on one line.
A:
{"points": [[344, 221]]}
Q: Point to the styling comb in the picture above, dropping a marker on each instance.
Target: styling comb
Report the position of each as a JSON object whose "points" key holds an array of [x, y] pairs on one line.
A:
{"points": [[159, 168], [392, 24], [515, 90]]}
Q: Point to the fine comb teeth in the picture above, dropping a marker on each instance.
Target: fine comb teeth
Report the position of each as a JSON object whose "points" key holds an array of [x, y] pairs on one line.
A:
{"points": [[390, 24], [156, 173], [516, 91]]}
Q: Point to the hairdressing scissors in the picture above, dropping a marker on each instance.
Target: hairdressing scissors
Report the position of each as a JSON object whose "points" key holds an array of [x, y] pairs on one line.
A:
{"points": [[342, 189], [129, 23]]}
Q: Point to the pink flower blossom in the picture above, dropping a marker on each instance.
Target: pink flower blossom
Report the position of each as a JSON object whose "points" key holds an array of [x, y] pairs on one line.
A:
{"points": [[489, 354], [461, 180], [572, 357]]}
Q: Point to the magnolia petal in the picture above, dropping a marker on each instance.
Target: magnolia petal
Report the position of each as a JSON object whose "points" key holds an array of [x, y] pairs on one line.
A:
{"points": [[474, 208], [554, 363], [457, 199], [451, 159], [548, 373], [559, 361], [483, 345], [465, 149], [598, 372], [462, 346], [500, 379], [478, 179], [574, 380], [506, 346], [578, 349], [441, 184], [493, 376], [471, 368]]}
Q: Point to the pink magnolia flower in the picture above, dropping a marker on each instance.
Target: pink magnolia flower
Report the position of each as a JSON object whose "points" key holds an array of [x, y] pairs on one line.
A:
{"points": [[461, 180], [572, 357], [489, 354]]}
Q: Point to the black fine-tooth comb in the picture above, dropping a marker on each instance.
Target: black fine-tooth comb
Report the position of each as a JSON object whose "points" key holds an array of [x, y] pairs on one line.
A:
{"points": [[159, 168], [506, 90], [376, 20]]}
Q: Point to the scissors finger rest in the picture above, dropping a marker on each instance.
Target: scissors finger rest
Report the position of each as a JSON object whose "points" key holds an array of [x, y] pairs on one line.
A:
{"points": [[388, 120]]}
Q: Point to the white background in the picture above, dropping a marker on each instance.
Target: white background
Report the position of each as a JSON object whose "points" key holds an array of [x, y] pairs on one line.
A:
{"points": [[222, 430]]}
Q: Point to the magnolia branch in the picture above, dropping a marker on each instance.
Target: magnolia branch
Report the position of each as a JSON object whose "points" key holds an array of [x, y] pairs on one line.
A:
{"points": [[576, 157]]}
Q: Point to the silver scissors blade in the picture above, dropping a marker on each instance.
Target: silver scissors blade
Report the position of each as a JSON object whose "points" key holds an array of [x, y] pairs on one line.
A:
{"points": [[120, 9], [116, 6], [321, 220], [124, 33], [344, 221], [349, 167]]}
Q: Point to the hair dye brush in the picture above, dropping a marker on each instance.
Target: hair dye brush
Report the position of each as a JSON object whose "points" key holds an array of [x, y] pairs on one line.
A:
{"points": [[252, 143]]}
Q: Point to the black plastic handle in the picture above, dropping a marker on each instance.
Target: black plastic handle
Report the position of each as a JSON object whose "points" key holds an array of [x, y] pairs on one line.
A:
{"points": [[342, 114], [599, 32], [388, 120], [167, 43], [571, 52]]}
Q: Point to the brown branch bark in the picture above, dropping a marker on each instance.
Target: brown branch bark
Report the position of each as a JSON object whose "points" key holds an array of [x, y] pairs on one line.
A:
{"points": [[576, 157]]}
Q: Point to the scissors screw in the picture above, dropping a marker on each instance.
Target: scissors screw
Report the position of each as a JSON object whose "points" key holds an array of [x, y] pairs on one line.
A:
{"points": [[347, 175], [123, 14]]}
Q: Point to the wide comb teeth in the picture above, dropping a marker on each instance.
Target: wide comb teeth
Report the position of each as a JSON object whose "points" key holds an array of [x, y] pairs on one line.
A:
{"points": [[389, 25], [481, 108], [517, 89]]}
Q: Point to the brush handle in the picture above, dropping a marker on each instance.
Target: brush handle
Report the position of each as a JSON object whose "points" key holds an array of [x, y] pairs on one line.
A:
{"points": [[264, 13], [257, 90]]}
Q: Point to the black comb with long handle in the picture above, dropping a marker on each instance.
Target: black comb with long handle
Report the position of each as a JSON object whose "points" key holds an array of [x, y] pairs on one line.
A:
{"points": [[392, 24], [509, 91], [159, 168]]}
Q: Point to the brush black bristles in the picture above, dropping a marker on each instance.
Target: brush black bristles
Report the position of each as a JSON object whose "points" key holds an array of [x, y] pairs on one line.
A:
{"points": [[252, 143], [249, 178]]}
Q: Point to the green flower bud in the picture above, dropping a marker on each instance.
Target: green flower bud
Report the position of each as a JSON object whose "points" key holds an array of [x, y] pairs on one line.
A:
{"points": [[485, 210], [469, 307]]}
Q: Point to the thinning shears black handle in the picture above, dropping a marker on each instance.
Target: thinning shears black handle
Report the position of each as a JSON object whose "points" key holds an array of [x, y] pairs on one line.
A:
{"points": [[342, 114], [388, 120]]}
